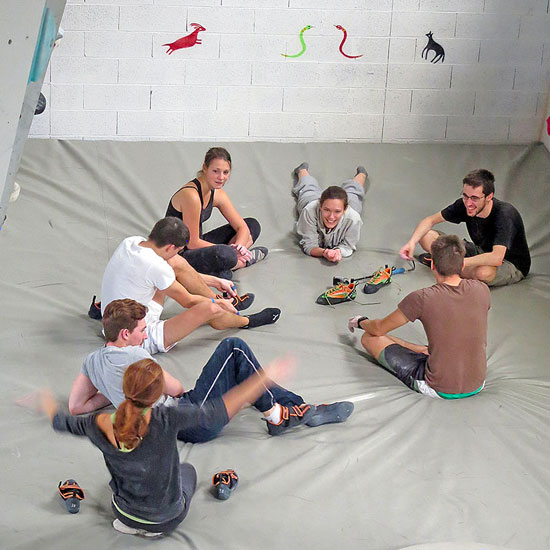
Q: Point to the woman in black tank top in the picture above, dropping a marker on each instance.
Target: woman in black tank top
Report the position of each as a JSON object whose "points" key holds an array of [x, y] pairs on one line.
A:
{"points": [[226, 248]]}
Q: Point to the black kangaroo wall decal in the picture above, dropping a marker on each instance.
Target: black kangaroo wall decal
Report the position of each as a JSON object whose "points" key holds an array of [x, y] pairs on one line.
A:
{"points": [[435, 47]]}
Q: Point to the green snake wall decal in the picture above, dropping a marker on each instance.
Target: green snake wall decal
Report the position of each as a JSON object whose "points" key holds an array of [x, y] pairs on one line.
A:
{"points": [[306, 28]]}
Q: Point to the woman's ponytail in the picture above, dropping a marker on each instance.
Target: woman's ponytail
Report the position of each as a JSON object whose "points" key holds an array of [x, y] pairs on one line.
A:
{"points": [[142, 384]]}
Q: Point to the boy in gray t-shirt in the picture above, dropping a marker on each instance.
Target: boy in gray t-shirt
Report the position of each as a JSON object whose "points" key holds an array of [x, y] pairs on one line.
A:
{"points": [[100, 380], [105, 368]]}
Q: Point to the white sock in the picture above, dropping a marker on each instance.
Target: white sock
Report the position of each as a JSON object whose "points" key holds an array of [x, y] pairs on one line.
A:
{"points": [[275, 415]]}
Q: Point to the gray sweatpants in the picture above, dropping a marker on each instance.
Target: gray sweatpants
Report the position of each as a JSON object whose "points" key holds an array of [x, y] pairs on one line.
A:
{"points": [[307, 190]]}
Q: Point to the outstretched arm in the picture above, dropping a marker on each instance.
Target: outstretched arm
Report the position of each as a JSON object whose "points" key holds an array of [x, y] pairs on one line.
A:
{"points": [[177, 292], [223, 285], [85, 397], [379, 327], [407, 250], [249, 390]]}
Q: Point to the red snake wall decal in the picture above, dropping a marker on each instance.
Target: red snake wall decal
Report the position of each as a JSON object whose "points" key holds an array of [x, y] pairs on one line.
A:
{"points": [[339, 27]]}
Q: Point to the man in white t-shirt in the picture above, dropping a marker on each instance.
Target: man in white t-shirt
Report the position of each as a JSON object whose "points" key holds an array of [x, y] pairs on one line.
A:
{"points": [[145, 270]]}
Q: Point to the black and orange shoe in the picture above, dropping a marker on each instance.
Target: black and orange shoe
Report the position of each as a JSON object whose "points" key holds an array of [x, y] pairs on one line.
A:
{"points": [[425, 259], [381, 278], [331, 413], [223, 483], [240, 303], [338, 294], [290, 418], [71, 492], [95, 310]]}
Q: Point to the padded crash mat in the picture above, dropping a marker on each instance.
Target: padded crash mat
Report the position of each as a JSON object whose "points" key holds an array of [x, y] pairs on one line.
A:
{"points": [[404, 471]]}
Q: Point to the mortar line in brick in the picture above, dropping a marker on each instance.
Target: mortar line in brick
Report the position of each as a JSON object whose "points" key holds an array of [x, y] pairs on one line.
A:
{"points": [[386, 79]]}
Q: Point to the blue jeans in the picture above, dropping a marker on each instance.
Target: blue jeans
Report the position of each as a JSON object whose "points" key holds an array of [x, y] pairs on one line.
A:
{"points": [[231, 363], [220, 259]]}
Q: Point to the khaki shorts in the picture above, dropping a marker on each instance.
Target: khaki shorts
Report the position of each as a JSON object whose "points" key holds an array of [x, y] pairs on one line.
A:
{"points": [[507, 273]]}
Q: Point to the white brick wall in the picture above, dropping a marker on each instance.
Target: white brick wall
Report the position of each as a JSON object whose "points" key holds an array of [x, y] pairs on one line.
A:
{"points": [[183, 98], [150, 124], [111, 77], [116, 97]]}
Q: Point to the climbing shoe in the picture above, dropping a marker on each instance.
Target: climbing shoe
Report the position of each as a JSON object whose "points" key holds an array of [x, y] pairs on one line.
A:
{"points": [[338, 294], [381, 278], [223, 484]]}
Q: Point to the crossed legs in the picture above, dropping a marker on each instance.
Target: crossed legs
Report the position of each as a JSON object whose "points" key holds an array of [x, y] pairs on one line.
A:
{"points": [[485, 273]]}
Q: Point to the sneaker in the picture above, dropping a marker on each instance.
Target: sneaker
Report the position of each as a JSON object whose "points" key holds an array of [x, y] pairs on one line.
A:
{"points": [[123, 528], [95, 310], [240, 303], [338, 294], [330, 414], [258, 254], [381, 278], [223, 484], [290, 418], [425, 259]]}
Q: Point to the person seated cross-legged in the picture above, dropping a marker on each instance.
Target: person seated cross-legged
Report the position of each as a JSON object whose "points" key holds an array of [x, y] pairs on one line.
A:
{"points": [[454, 315], [499, 254]]}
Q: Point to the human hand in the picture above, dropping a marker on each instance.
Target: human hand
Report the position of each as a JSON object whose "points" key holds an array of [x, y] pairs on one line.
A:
{"points": [[224, 285], [280, 370], [30, 401], [242, 252], [227, 306], [332, 254], [354, 322], [41, 401], [407, 251]]}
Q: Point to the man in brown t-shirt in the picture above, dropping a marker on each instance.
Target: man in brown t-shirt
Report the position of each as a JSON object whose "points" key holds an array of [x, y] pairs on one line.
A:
{"points": [[454, 315]]}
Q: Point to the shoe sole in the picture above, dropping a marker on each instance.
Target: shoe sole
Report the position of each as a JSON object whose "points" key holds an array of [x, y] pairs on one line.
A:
{"points": [[375, 288], [305, 419], [339, 413], [327, 301]]}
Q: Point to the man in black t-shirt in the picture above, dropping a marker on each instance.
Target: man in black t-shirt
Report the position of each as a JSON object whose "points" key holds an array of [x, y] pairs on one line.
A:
{"points": [[499, 254]]}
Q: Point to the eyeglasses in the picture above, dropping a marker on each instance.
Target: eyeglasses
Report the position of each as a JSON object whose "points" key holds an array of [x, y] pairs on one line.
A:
{"points": [[472, 198]]}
